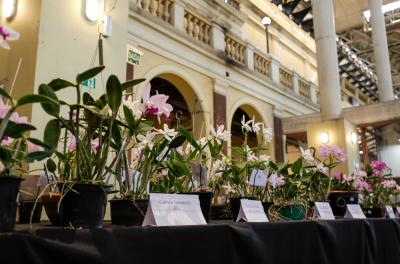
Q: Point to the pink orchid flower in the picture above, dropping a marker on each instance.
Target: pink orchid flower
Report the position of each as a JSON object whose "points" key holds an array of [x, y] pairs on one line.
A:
{"points": [[32, 147], [6, 140], [156, 104], [95, 144], [7, 34], [71, 143], [4, 108]]}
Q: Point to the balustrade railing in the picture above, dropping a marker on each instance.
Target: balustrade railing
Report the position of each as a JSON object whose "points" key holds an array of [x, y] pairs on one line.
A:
{"points": [[235, 49], [197, 28], [262, 64], [233, 3], [158, 8], [304, 89], [286, 78]]}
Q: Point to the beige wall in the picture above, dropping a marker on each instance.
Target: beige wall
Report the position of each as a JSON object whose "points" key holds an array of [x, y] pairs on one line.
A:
{"points": [[26, 22], [339, 131], [67, 43]]}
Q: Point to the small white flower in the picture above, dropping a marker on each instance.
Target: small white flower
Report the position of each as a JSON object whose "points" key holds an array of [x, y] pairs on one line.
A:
{"points": [[307, 154], [256, 127], [265, 158], [202, 142], [251, 156], [134, 106], [246, 126], [168, 133], [146, 140], [220, 134], [267, 135], [322, 168], [180, 151]]}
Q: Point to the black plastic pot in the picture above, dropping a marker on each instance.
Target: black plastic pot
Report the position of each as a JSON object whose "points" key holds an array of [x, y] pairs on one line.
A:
{"points": [[339, 199], [205, 203], [128, 212], [9, 188], [25, 211], [220, 212], [50, 204], [84, 206], [266, 206], [235, 205], [374, 212]]}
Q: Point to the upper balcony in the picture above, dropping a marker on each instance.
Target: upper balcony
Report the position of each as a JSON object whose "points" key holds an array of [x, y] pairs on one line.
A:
{"points": [[207, 33]]}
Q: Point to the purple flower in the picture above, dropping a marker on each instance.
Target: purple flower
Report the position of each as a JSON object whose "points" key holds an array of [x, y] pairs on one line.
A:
{"points": [[326, 151], [156, 104], [95, 144], [378, 165]]}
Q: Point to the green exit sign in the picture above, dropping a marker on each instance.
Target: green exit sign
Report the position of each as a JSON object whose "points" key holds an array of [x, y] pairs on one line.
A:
{"points": [[133, 55], [89, 83]]}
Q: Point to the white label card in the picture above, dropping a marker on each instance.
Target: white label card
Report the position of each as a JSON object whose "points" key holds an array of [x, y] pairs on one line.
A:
{"points": [[251, 211], [354, 211], [389, 213], [398, 211], [173, 210], [323, 210], [258, 178]]}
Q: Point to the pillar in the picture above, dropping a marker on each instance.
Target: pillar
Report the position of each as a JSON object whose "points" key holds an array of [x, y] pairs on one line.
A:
{"points": [[249, 58], [217, 37], [327, 61], [381, 52]]}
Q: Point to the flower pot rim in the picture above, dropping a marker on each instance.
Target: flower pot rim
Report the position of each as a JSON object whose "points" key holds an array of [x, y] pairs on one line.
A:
{"points": [[10, 177], [355, 192]]}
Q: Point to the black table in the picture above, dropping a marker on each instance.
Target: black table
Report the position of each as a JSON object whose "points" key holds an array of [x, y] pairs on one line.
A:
{"points": [[308, 242]]}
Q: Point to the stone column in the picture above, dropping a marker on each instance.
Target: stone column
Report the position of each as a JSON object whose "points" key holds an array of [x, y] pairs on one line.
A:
{"points": [[295, 82], [381, 52], [178, 15], [275, 70], [313, 93], [327, 60]]}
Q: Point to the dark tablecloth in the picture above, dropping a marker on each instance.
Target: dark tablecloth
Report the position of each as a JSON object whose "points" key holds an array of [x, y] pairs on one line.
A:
{"points": [[339, 241]]}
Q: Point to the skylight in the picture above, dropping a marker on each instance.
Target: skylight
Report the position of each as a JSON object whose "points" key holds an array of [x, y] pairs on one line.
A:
{"points": [[385, 8]]}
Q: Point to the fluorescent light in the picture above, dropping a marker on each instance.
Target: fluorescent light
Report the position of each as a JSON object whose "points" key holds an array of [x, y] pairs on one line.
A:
{"points": [[9, 7], [353, 137], [385, 8]]}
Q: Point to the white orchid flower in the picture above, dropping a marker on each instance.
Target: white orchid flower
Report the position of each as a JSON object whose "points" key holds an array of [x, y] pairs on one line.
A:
{"points": [[168, 133], [246, 126], [307, 154], [6, 34], [256, 126], [220, 134], [267, 135], [134, 106], [146, 140]]}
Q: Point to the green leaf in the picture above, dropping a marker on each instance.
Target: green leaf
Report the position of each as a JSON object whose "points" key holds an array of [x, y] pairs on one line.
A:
{"points": [[15, 130], [114, 93], [177, 142], [5, 155], [116, 134], [297, 166], [58, 84], [50, 108], [37, 156], [51, 165], [87, 98], [189, 137], [38, 142], [52, 134], [91, 108], [5, 94], [88, 74], [131, 83], [35, 98], [239, 150], [130, 119]]}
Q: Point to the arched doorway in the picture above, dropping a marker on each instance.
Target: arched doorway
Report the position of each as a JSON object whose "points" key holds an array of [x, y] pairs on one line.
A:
{"points": [[187, 108]]}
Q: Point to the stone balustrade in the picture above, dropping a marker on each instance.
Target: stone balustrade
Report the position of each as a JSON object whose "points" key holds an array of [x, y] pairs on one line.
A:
{"points": [[235, 49], [262, 64], [304, 88], [197, 28], [158, 8], [286, 78], [233, 3]]}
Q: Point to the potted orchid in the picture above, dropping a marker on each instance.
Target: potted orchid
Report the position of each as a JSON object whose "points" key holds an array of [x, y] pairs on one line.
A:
{"points": [[94, 139], [374, 189], [252, 161], [149, 148], [16, 145]]}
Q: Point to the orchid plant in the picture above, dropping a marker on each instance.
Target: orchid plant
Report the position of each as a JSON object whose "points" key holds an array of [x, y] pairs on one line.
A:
{"points": [[251, 158], [91, 130]]}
